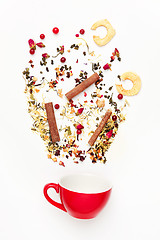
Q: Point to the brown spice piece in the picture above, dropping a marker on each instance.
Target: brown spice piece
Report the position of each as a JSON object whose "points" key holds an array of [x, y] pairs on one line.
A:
{"points": [[99, 128], [82, 86], [52, 122]]}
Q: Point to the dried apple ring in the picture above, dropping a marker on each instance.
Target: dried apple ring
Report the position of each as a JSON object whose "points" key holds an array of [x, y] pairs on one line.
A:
{"points": [[135, 79], [110, 32]]}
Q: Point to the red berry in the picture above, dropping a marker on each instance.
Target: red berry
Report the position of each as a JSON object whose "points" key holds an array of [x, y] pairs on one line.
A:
{"points": [[114, 117], [79, 131], [112, 58], [82, 31], [56, 106], [63, 59], [55, 30], [77, 35], [32, 51], [42, 36], [120, 96]]}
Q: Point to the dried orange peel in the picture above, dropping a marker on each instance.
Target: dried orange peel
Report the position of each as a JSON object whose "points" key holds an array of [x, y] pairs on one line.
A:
{"points": [[110, 32], [135, 79]]}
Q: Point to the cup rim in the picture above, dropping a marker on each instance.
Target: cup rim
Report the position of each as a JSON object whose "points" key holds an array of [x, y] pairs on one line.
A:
{"points": [[86, 174]]}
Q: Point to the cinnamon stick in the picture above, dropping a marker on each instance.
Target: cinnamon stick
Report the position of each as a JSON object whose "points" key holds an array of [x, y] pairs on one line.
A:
{"points": [[52, 122], [82, 86], [99, 128]]}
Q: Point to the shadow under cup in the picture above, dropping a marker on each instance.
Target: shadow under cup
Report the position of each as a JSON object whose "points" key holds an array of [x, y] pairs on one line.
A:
{"points": [[83, 195]]}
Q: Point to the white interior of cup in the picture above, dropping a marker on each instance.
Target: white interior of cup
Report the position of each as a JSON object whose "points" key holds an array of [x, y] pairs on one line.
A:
{"points": [[85, 183]]}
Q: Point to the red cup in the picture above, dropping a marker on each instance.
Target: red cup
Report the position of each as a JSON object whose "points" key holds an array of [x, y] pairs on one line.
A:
{"points": [[82, 196]]}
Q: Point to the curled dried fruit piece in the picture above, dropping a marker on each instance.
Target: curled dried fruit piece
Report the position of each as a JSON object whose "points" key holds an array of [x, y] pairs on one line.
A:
{"points": [[110, 32], [135, 79]]}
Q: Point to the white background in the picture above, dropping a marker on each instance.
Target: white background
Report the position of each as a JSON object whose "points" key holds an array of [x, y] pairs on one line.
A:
{"points": [[134, 163]]}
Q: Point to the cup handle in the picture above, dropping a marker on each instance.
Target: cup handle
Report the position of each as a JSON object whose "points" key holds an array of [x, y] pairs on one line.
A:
{"points": [[56, 187]]}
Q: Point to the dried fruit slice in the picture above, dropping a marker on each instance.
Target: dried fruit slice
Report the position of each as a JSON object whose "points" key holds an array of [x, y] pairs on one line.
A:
{"points": [[110, 32], [135, 79]]}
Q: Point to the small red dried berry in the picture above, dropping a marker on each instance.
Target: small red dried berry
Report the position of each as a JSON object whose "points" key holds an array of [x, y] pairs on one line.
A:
{"points": [[79, 131], [63, 59], [42, 36], [116, 51], [77, 35], [61, 163], [32, 51], [82, 31], [56, 106], [85, 94], [55, 30], [120, 96], [114, 117]]}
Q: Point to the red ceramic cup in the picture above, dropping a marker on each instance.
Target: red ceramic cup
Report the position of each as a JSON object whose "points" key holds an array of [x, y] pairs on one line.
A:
{"points": [[82, 196]]}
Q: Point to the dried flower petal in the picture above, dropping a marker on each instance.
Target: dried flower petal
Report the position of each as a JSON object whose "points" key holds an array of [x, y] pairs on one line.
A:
{"points": [[109, 134], [107, 66], [41, 45], [80, 110], [45, 55], [79, 126], [31, 43]]}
